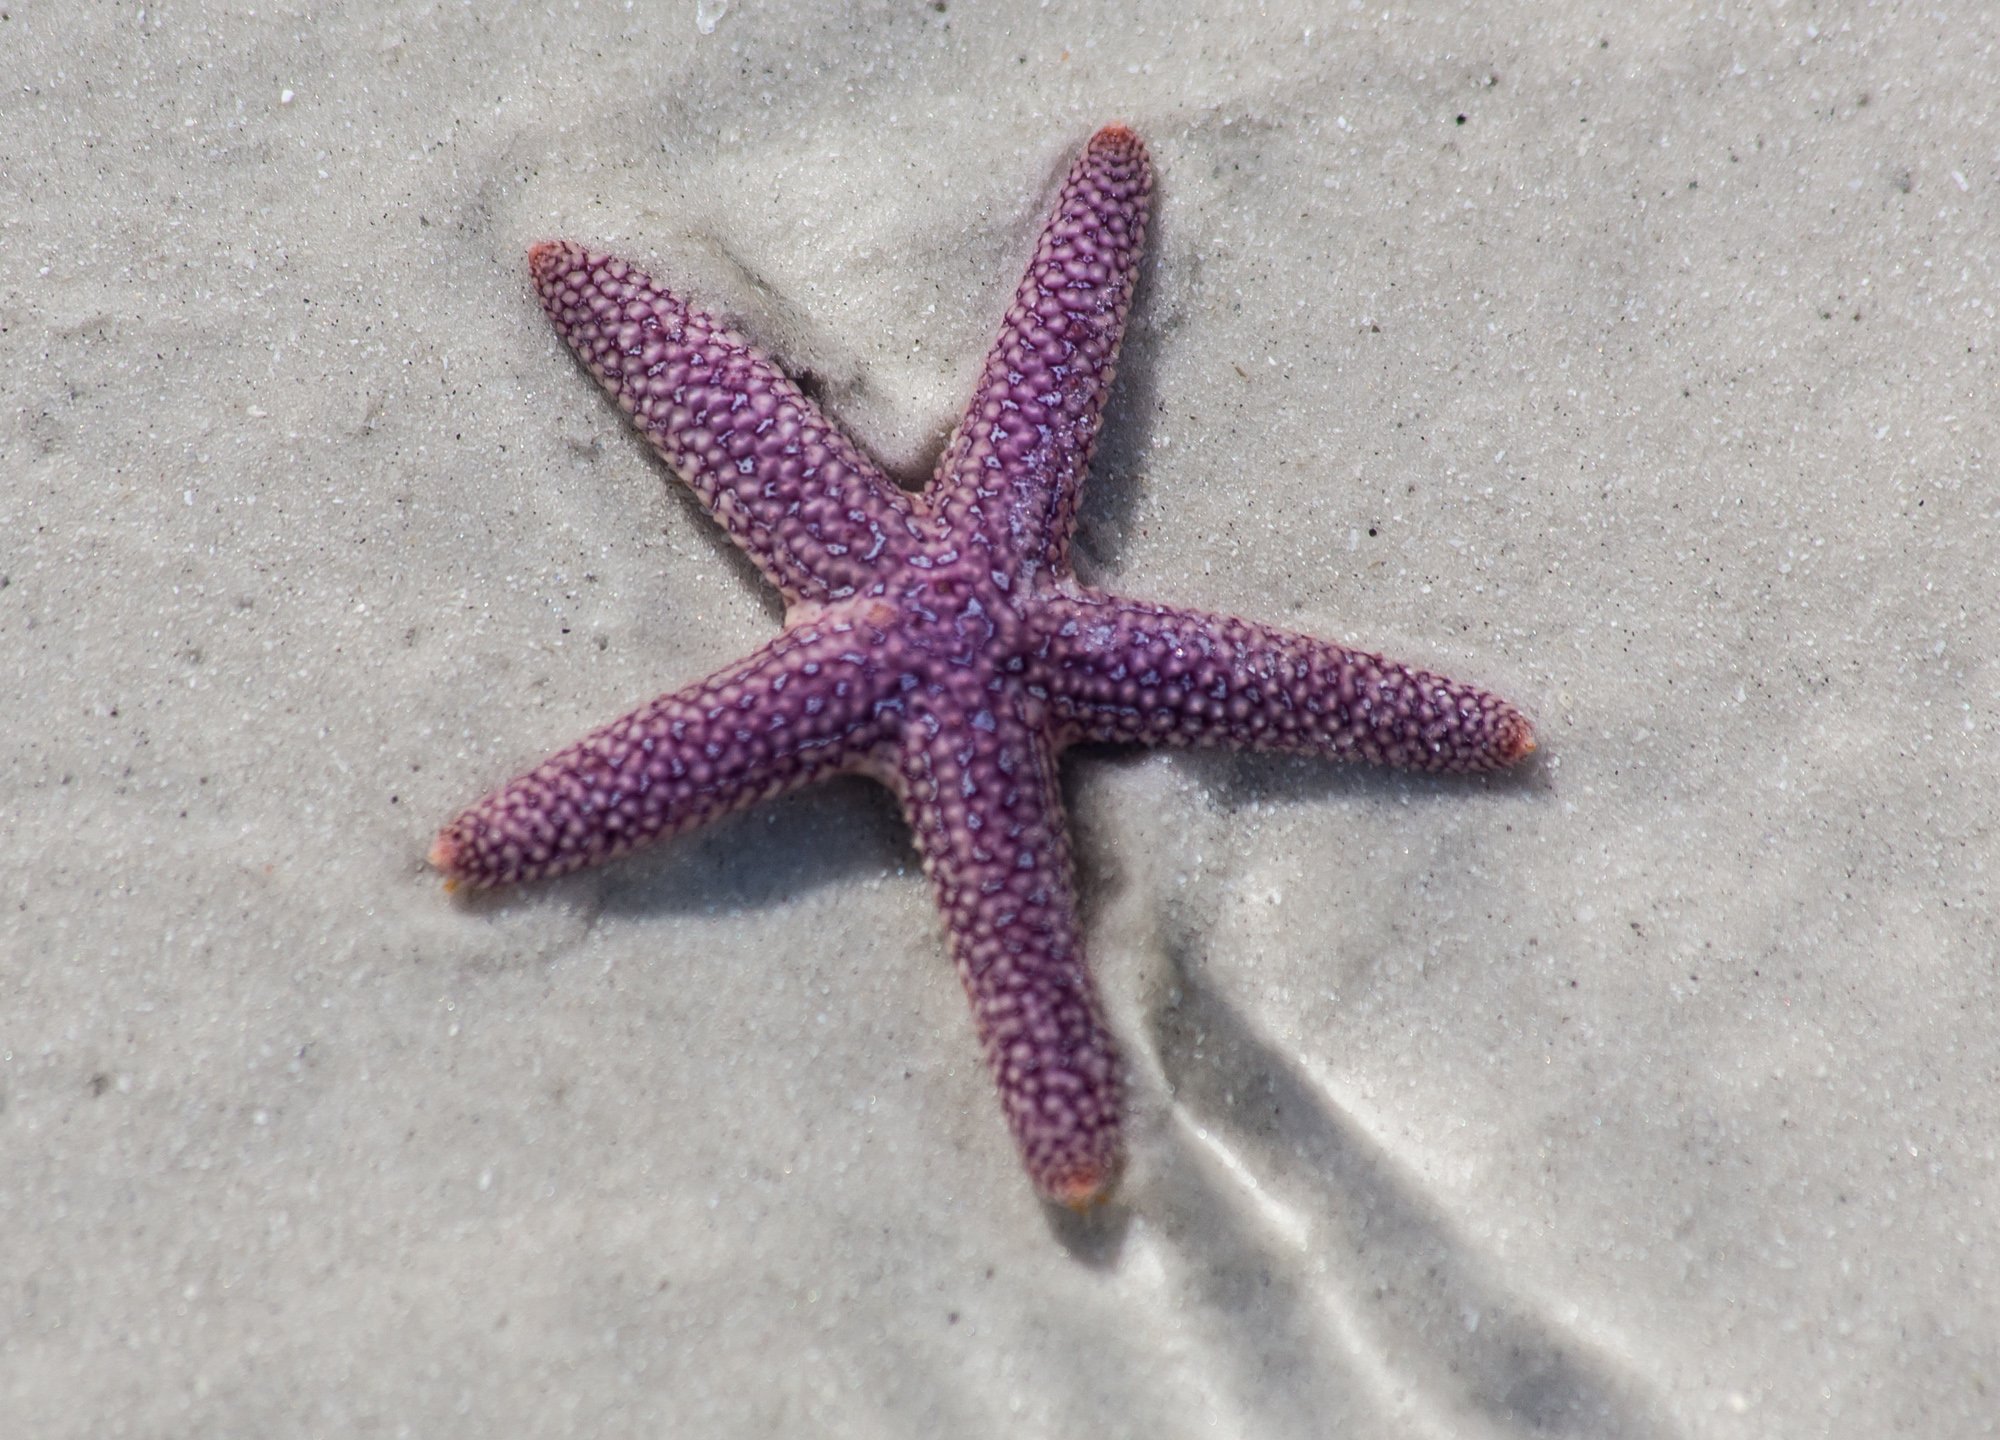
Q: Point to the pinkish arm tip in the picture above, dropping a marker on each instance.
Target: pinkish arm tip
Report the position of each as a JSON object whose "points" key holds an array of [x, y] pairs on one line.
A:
{"points": [[443, 856], [1082, 1193], [549, 258], [1519, 745]]}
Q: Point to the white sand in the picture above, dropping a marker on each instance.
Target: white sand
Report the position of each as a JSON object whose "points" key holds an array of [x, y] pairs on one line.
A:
{"points": [[1656, 1093]]}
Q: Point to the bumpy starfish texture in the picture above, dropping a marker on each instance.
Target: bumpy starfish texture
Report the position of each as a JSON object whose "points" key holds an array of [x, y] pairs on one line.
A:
{"points": [[940, 643]]}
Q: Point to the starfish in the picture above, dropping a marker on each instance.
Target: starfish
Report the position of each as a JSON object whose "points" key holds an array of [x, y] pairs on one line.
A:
{"points": [[939, 642]]}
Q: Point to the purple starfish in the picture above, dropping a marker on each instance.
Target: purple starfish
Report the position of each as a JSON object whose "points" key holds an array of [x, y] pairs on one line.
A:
{"points": [[939, 642]]}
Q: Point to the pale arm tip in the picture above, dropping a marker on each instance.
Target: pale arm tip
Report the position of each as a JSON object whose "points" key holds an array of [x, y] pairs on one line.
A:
{"points": [[1117, 136], [1519, 743], [443, 857]]}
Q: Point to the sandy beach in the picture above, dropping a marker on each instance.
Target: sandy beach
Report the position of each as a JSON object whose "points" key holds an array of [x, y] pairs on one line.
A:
{"points": [[1639, 367]]}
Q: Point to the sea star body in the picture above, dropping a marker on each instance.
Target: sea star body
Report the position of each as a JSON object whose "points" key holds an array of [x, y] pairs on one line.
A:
{"points": [[939, 642]]}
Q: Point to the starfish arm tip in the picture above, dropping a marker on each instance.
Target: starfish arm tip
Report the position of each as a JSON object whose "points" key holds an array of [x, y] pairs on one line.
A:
{"points": [[1085, 1169], [443, 856], [1121, 140], [548, 260], [1520, 744], [1081, 1192]]}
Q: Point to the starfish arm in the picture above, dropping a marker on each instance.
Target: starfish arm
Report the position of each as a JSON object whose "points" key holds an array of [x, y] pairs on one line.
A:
{"points": [[803, 707], [1009, 478], [1125, 670], [796, 494], [982, 799]]}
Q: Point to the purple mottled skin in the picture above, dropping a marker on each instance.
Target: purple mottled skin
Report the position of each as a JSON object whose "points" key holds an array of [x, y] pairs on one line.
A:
{"points": [[940, 643]]}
